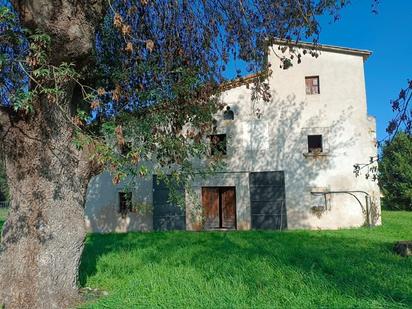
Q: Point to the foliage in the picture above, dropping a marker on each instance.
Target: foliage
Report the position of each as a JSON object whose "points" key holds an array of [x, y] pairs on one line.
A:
{"points": [[13, 46], [402, 108], [4, 188], [159, 85], [293, 269], [152, 90], [3, 215], [395, 170]]}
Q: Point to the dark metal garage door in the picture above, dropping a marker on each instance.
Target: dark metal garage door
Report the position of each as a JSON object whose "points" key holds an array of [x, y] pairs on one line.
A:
{"points": [[267, 200], [166, 216]]}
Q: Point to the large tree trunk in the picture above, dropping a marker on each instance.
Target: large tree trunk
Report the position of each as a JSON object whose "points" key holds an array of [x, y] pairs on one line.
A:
{"points": [[42, 240]]}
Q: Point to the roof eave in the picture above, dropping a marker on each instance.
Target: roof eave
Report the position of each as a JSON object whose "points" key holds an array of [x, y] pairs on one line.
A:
{"points": [[329, 48]]}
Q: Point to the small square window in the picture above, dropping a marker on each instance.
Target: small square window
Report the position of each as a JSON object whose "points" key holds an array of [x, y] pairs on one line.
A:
{"points": [[125, 148], [315, 144], [218, 144], [312, 85], [125, 203], [228, 114]]}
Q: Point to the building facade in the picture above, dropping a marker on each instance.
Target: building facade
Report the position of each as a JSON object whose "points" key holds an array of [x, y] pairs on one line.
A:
{"points": [[289, 161]]}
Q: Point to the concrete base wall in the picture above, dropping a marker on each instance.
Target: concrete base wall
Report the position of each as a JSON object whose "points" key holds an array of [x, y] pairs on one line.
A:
{"points": [[304, 209]]}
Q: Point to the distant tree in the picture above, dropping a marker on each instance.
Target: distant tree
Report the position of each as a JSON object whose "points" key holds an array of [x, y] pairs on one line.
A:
{"points": [[395, 172]]}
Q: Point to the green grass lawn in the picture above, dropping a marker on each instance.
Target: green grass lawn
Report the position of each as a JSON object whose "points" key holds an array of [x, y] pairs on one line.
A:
{"points": [[3, 215], [294, 269]]}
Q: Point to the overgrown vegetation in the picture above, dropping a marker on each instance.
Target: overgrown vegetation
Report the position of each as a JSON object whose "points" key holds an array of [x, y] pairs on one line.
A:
{"points": [[395, 173], [3, 215], [4, 188], [293, 269]]}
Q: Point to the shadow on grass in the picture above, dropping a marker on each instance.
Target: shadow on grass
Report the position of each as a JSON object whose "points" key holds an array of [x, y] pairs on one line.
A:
{"points": [[357, 267]]}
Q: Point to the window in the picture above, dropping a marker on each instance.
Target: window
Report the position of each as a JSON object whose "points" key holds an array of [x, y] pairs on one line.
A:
{"points": [[312, 85], [125, 203], [315, 144], [125, 148], [228, 114], [218, 144]]}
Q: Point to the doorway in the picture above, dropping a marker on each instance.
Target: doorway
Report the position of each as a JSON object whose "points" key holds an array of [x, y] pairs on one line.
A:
{"points": [[267, 200], [219, 207]]}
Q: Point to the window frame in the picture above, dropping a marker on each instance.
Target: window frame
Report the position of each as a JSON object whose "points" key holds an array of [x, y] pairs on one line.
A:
{"points": [[312, 149], [214, 147], [228, 114], [312, 77], [125, 202]]}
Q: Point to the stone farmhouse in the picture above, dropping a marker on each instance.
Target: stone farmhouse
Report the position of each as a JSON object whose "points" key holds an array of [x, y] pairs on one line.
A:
{"points": [[289, 162]]}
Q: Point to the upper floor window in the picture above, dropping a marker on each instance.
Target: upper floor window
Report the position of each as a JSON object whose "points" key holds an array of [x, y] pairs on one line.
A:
{"points": [[218, 144], [228, 114], [125, 148], [312, 85], [315, 143]]}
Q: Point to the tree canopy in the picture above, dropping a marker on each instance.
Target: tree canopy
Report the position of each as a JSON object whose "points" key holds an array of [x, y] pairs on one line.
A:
{"points": [[395, 172], [152, 83]]}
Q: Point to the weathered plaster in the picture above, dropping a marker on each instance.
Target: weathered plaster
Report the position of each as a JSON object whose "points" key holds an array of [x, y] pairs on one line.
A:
{"points": [[102, 206], [277, 141]]}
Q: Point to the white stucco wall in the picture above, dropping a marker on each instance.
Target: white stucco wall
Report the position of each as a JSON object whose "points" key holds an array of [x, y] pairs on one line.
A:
{"points": [[339, 113], [102, 206], [276, 141]]}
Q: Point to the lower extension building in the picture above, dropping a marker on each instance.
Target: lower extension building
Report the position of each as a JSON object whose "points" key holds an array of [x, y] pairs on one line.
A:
{"points": [[289, 161]]}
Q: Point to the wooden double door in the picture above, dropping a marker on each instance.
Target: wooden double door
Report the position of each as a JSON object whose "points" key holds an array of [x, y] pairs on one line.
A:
{"points": [[219, 207]]}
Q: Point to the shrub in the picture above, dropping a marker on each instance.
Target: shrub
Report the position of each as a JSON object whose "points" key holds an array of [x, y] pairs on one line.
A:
{"points": [[395, 173]]}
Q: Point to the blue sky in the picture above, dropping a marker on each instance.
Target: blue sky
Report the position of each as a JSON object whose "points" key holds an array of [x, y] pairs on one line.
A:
{"points": [[389, 36]]}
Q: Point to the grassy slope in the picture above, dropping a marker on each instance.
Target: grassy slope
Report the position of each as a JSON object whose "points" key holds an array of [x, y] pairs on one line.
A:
{"points": [[340, 269]]}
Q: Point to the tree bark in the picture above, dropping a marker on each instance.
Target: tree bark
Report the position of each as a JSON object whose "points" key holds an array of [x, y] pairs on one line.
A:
{"points": [[42, 239], [70, 23]]}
